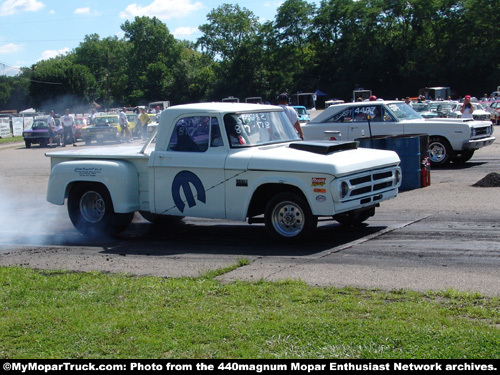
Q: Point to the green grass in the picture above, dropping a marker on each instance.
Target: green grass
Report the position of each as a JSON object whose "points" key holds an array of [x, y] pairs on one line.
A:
{"points": [[51, 314], [11, 140]]}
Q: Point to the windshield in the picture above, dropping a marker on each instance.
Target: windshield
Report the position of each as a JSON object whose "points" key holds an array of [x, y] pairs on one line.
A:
{"points": [[40, 124], [259, 128], [403, 111], [301, 111], [103, 121]]}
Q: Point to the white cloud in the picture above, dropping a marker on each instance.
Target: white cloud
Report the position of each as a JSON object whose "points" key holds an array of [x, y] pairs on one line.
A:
{"points": [[182, 32], [50, 53], [82, 10], [10, 7], [10, 48], [9, 71], [162, 9]]}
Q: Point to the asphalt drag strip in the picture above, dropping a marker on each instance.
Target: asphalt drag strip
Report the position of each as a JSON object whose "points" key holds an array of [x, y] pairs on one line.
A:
{"points": [[427, 253]]}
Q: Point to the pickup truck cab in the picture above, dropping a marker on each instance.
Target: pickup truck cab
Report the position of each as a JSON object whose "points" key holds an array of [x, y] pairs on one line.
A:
{"points": [[233, 161], [449, 139]]}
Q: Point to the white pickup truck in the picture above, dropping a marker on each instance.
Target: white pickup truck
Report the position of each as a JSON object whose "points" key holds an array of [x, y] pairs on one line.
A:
{"points": [[233, 161]]}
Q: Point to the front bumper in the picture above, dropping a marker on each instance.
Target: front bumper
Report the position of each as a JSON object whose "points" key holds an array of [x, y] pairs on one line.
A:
{"points": [[474, 144]]}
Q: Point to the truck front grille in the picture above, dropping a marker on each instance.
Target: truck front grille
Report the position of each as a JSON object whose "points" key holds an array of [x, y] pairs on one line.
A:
{"points": [[368, 184]]}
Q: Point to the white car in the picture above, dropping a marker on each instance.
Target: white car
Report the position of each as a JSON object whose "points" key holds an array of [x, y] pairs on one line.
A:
{"points": [[479, 114], [449, 139]]}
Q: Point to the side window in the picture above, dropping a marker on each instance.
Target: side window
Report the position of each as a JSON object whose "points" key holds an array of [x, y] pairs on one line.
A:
{"points": [[215, 135], [343, 116], [387, 117], [361, 113], [190, 134]]}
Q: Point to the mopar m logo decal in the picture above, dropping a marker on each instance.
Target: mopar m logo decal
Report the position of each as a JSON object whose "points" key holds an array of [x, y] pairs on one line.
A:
{"points": [[182, 181]]}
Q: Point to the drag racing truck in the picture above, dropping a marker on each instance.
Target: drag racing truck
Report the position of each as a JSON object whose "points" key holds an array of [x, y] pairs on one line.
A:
{"points": [[232, 161]]}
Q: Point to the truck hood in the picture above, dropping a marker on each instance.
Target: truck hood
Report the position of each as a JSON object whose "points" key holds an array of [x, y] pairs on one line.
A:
{"points": [[284, 158]]}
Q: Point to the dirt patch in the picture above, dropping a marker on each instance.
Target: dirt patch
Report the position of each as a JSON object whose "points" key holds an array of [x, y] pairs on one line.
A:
{"points": [[490, 180]]}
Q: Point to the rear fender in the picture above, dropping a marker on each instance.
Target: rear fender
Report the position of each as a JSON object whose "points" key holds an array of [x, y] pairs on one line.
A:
{"points": [[119, 177]]}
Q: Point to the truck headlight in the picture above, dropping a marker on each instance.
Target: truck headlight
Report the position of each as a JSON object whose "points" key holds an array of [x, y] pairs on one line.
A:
{"points": [[344, 189], [397, 180]]}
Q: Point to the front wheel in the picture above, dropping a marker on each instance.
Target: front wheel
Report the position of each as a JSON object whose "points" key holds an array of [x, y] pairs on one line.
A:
{"points": [[288, 217], [440, 151], [91, 211]]}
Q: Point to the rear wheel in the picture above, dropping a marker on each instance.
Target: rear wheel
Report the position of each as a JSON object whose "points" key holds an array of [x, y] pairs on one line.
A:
{"points": [[464, 156], [288, 217], [91, 211]]}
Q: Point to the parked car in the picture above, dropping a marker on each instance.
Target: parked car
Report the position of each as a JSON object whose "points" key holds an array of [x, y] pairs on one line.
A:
{"points": [[449, 139], [38, 133], [424, 109], [479, 114], [80, 123], [103, 128], [302, 113], [441, 108], [494, 110]]}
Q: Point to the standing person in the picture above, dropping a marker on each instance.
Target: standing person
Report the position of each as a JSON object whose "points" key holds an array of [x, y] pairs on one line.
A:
{"points": [[408, 101], [52, 124], [68, 122], [124, 124], [91, 117], [467, 108], [290, 113], [144, 119]]}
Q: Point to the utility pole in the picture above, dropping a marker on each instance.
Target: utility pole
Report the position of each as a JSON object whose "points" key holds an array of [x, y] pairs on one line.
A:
{"points": [[107, 81]]}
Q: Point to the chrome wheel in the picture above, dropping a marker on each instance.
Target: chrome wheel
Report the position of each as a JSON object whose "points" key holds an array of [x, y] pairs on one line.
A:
{"points": [[439, 151], [288, 219]]}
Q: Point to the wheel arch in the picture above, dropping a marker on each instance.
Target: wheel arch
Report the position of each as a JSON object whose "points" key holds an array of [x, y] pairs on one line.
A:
{"points": [[265, 192], [120, 178]]}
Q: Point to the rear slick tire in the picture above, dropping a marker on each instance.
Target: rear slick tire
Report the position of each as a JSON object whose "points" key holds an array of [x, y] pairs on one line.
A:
{"points": [[91, 211]]}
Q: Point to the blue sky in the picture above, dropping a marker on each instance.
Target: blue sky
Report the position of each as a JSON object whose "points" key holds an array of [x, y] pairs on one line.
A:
{"points": [[33, 30]]}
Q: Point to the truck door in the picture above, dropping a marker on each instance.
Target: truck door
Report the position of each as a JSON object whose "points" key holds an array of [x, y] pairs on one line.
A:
{"points": [[188, 177]]}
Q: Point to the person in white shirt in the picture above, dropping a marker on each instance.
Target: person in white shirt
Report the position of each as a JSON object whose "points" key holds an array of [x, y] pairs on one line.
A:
{"points": [[290, 113], [52, 125], [68, 122], [124, 124], [467, 108]]}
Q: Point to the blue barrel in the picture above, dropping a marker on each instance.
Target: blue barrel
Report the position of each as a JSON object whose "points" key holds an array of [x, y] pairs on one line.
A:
{"points": [[377, 142], [408, 148]]}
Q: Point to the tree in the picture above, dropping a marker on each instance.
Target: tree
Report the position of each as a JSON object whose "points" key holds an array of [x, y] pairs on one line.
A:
{"points": [[106, 60], [231, 40], [58, 83], [154, 53]]}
